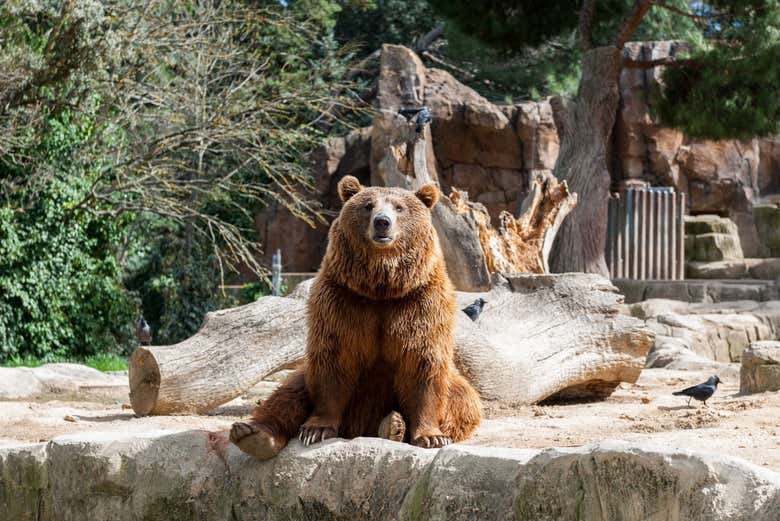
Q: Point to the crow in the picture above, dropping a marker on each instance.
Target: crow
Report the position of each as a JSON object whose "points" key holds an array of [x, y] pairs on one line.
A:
{"points": [[143, 332], [701, 392], [409, 113], [423, 118], [473, 310]]}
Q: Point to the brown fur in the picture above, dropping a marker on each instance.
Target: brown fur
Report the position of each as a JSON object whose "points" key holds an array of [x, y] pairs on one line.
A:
{"points": [[380, 338]]}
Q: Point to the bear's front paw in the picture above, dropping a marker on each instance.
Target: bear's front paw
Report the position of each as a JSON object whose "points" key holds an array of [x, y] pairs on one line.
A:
{"points": [[315, 432], [431, 442]]}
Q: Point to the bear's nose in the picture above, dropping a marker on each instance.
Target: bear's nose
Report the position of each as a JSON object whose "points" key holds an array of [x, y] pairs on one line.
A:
{"points": [[382, 223]]}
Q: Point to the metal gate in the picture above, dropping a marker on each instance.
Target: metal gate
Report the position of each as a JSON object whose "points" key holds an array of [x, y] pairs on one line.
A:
{"points": [[646, 234]]}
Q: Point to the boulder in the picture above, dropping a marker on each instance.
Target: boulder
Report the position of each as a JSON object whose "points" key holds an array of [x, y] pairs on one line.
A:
{"points": [[715, 247], [166, 475], [727, 269], [718, 332], [656, 306], [642, 149], [767, 219], [769, 165], [767, 269], [29, 383], [673, 353], [721, 175], [709, 223], [536, 129], [760, 371]]}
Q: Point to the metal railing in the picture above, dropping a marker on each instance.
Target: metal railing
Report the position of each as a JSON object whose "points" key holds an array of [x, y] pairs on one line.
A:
{"points": [[646, 234]]}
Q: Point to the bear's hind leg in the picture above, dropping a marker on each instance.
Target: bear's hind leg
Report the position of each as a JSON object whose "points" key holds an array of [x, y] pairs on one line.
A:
{"points": [[464, 409], [392, 427], [274, 421]]}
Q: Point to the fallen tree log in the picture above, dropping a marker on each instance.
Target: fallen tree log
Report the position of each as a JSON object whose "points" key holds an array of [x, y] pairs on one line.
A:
{"points": [[539, 337], [233, 350]]}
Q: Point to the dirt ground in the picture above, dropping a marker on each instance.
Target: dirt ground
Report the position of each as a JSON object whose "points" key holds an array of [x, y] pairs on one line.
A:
{"points": [[742, 426]]}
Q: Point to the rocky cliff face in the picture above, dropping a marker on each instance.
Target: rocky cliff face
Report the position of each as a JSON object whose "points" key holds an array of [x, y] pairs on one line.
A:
{"points": [[491, 151], [719, 177]]}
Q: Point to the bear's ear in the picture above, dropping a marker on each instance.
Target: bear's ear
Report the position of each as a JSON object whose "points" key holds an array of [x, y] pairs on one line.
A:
{"points": [[348, 186], [428, 194]]}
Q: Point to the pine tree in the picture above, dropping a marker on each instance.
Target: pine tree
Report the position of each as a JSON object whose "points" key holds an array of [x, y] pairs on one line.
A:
{"points": [[726, 86]]}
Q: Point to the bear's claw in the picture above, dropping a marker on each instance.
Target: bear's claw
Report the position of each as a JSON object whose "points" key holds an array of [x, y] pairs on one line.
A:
{"points": [[431, 442], [310, 435]]}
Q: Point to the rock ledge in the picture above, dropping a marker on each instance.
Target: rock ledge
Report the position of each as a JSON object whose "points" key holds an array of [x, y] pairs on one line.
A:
{"points": [[169, 475]]}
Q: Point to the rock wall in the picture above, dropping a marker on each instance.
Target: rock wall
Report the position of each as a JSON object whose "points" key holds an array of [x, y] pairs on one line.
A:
{"points": [[491, 151], [170, 475]]}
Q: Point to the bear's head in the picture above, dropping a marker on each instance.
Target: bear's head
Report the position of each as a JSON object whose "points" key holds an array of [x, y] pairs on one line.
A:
{"points": [[383, 243], [385, 219]]}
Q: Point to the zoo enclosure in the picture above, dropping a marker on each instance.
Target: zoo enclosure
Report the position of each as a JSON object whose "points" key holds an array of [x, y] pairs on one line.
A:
{"points": [[646, 234]]}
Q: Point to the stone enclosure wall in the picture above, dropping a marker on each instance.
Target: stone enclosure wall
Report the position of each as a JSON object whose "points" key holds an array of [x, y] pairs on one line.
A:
{"points": [[492, 151]]}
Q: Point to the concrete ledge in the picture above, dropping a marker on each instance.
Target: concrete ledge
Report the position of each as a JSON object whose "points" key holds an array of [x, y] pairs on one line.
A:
{"points": [[170, 475], [692, 290]]}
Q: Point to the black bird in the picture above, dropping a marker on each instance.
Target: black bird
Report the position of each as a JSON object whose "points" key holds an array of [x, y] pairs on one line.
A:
{"points": [[423, 118], [143, 332], [474, 309], [701, 392], [410, 112]]}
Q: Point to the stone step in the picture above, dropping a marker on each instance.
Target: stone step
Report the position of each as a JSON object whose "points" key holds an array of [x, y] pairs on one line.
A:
{"points": [[701, 224], [765, 269], [166, 475], [703, 290]]}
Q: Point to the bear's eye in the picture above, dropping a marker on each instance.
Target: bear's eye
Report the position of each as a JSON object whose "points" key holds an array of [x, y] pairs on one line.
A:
{"points": [[369, 207], [399, 208]]}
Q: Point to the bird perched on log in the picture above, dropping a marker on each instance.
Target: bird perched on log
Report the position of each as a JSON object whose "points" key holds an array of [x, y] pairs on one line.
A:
{"points": [[421, 116], [701, 392], [143, 332], [475, 308], [409, 112]]}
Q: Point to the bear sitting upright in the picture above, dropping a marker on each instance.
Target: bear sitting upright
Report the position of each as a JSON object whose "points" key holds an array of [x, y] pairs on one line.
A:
{"points": [[379, 354]]}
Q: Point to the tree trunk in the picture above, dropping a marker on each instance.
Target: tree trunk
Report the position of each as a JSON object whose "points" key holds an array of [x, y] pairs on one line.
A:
{"points": [[232, 351], [585, 126], [538, 337], [521, 244]]}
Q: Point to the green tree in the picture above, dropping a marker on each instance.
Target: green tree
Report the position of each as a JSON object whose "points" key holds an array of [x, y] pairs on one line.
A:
{"points": [[137, 139], [61, 290], [725, 86]]}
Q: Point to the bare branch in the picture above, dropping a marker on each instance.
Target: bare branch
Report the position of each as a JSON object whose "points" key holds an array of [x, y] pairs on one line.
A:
{"points": [[425, 41], [629, 26]]}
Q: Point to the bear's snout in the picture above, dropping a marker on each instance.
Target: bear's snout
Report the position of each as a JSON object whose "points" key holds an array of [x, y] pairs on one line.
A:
{"points": [[382, 224]]}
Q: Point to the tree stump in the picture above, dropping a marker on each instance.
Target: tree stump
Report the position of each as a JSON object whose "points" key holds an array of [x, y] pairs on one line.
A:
{"points": [[522, 244]]}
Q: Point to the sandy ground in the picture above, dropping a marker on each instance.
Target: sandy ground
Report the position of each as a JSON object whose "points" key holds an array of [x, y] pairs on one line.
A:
{"points": [[744, 426]]}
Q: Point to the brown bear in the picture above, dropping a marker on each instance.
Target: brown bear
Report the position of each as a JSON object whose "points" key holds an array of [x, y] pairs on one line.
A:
{"points": [[379, 355]]}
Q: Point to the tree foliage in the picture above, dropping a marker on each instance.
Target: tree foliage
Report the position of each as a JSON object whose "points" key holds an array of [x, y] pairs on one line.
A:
{"points": [[137, 139], [724, 87]]}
